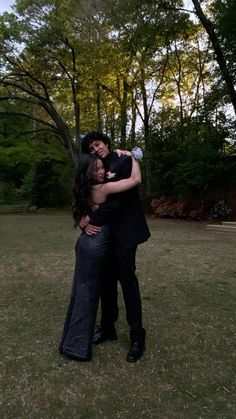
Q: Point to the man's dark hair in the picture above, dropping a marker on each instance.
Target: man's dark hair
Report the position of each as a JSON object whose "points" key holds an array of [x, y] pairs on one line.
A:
{"points": [[94, 136]]}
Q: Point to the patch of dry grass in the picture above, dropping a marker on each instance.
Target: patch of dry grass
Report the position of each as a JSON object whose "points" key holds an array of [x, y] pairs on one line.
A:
{"points": [[188, 284]]}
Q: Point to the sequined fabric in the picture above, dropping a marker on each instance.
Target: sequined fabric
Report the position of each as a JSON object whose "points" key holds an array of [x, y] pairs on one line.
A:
{"points": [[91, 257]]}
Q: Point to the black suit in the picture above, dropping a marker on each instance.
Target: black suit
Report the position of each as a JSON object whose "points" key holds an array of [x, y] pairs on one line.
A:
{"points": [[129, 228]]}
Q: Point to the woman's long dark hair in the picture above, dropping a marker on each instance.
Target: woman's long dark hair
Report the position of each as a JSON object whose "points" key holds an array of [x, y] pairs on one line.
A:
{"points": [[82, 186]]}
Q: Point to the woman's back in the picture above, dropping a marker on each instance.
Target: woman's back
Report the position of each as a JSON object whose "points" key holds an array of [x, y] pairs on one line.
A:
{"points": [[98, 195]]}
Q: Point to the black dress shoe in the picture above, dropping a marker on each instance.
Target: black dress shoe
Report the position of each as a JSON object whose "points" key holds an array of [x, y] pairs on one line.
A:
{"points": [[101, 336], [135, 352]]}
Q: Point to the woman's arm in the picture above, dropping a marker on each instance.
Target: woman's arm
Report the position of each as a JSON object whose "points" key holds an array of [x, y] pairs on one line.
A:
{"points": [[125, 184]]}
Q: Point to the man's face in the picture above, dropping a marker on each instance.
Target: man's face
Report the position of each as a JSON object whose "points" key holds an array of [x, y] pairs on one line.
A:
{"points": [[99, 148]]}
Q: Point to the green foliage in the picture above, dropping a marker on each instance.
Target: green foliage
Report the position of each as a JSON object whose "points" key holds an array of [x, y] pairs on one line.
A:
{"points": [[15, 160], [190, 160], [33, 166], [49, 181], [48, 184], [219, 210], [134, 69], [224, 15], [16, 156]]}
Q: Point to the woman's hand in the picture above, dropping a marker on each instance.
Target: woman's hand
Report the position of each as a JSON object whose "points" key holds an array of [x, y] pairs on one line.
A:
{"points": [[87, 228], [84, 221], [91, 229]]}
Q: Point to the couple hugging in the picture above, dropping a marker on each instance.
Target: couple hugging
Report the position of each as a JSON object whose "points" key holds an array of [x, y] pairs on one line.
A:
{"points": [[108, 210]]}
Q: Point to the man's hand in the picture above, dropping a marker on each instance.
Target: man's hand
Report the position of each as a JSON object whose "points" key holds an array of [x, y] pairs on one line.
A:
{"points": [[91, 229], [123, 152]]}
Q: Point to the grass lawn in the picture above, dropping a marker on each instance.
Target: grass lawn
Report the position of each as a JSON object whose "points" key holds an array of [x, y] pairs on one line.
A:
{"points": [[188, 285]]}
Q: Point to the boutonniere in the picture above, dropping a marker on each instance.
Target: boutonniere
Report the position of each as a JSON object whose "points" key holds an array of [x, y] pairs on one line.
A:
{"points": [[110, 175]]}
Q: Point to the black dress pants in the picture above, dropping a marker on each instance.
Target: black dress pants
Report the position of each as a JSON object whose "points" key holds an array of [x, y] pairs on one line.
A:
{"points": [[122, 267]]}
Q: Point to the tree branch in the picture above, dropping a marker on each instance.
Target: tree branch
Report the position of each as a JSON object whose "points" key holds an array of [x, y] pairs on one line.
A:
{"points": [[160, 82], [23, 89], [40, 121], [32, 132], [209, 27], [26, 73], [24, 99]]}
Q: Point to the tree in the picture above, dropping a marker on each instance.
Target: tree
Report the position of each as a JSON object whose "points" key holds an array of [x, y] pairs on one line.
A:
{"points": [[194, 164], [48, 64], [219, 52]]}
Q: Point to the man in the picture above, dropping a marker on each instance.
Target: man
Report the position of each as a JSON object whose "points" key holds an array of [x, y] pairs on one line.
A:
{"points": [[124, 214]]}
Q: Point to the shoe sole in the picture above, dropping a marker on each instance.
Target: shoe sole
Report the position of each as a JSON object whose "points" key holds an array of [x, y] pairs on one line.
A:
{"points": [[104, 340]]}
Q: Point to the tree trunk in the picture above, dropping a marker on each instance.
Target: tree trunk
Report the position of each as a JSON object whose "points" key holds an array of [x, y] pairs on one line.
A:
{"points": [[178, 82], [145, 105], [77, 121], [133, 121], [123, 115], [146, 131], [98, 103], [72, 146], [218, 51]]}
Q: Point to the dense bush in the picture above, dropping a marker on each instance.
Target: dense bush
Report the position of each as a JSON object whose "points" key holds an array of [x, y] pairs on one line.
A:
{"points": [[188, 165], [170, 207], [49, 184]]}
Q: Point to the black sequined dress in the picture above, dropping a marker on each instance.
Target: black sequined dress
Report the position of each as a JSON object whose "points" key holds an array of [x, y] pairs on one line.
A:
{"points": [[90, 264]]}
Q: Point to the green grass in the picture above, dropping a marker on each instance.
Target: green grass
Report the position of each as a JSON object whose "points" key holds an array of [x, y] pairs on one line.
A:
{"points": [[188, 285]]}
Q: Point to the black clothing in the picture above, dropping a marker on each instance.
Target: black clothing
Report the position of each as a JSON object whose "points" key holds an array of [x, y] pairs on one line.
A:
{"points": [[128, 228], [90, 264], [122, 210]]}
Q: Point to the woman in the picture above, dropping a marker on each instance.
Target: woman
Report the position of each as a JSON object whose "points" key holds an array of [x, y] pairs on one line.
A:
{"points": [[91, 255]]}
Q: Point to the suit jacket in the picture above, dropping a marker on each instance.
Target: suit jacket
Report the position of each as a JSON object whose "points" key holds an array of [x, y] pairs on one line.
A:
{"points": [[122, 210]]}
